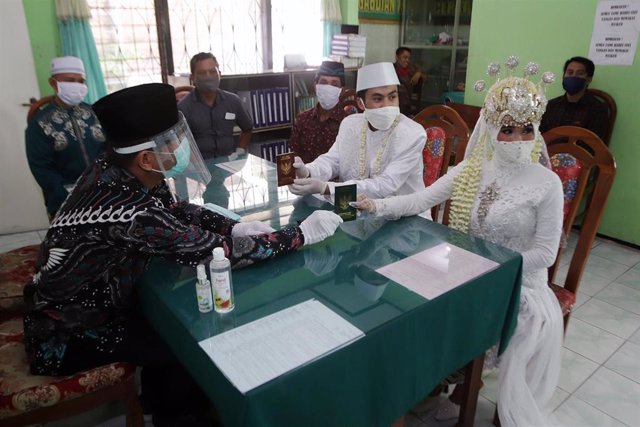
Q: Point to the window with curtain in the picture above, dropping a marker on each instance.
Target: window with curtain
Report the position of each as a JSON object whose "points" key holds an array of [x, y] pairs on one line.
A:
{"points": [[127, 41], [246, 36]]}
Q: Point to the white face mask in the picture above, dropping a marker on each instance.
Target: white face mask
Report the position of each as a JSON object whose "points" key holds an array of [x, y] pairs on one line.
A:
{"points": [[381, 118], [72, 93], [517, 152], [328, 96]]}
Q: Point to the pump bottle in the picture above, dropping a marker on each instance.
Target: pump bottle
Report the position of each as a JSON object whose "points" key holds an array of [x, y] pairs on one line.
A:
{"points": [[203, 290]]}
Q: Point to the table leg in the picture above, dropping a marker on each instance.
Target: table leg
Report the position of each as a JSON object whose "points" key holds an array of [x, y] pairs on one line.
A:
{"points": [[470, 389]]}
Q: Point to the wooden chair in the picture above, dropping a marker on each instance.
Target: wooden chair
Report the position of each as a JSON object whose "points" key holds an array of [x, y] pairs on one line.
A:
{"points": [[612, 111], [182, 91], [447, 137], [37, 105], [469, 113], [32, 399], [576, 154]]}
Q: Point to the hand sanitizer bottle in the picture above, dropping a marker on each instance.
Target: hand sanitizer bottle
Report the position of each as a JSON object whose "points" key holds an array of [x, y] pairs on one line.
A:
{"points": [[203, 290], [220, 268]]}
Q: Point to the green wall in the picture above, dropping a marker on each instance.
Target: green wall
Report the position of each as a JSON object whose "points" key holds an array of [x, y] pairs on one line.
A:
{"points": [[349, 11], [45, 38], [549, 32]]}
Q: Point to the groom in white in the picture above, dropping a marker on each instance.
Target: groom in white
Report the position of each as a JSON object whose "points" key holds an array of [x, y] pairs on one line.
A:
{"points": [[379, 150]]}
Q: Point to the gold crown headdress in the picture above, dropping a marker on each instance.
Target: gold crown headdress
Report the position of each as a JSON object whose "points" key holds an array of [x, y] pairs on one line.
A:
{"points": [[514, 101]]}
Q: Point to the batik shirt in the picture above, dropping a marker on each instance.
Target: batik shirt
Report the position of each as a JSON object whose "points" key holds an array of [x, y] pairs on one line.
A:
{"points": [[100, 243], [60, 144], [310, 137]]}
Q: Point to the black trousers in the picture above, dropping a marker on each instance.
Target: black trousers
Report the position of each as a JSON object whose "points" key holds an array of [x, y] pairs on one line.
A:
{"points": [[168, 391]]}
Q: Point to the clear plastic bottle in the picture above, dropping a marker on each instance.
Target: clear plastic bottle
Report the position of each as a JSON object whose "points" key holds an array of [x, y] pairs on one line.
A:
{"points": [[203, 290], [220, 269]]}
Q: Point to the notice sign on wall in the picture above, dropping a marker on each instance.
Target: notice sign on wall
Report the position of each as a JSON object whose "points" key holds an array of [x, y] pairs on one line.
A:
{"points": [[615, 32]]}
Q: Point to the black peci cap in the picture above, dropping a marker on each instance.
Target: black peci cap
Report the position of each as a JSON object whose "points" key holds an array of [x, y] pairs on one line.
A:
{"points": [[333, 69], [135, 114]]}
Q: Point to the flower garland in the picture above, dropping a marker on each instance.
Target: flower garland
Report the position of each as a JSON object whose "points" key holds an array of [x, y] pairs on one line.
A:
{"points": [[362, 170], [465, 187]]}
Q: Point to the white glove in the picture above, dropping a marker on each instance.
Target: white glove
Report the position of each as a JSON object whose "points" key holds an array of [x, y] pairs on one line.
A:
{"points": [[301, 170], [322, 261], [239, 152], [364, 204], [250, 229], [319, 225], [302, 186]]}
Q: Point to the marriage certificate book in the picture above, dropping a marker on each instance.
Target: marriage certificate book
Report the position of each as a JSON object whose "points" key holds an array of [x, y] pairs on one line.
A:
{"points": [[257, 352], [437, 270]]}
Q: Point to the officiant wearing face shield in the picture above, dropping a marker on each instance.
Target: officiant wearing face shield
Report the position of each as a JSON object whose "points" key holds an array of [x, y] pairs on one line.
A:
{"points": [[81, 300]]}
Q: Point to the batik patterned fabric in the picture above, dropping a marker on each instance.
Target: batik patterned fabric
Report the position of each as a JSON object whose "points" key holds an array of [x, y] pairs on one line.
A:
{"points": [[432, 155], [568, 169], [310, 137], [61, 144], [100, 243]]}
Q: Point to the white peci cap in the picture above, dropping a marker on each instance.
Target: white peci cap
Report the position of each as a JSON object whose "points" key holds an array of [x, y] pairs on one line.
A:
{"points": [[67, 64], [376, 75]]}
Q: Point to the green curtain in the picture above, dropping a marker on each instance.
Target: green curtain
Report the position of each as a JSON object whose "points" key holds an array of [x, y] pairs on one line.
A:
{"points": [[77, 40], [331, 18]]}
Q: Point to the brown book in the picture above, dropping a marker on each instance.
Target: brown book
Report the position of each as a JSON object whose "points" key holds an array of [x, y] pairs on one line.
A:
{"points": [[286, 171]]}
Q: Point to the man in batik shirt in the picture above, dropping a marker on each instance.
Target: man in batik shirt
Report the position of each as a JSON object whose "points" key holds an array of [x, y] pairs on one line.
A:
{"points": [[315, 130], [80, 305]]}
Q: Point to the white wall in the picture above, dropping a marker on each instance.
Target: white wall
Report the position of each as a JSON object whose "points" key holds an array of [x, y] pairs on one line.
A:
{"points": [[21, 204], [382, 42]]}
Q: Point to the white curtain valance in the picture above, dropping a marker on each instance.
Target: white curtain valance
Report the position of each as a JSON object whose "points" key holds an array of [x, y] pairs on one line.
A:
{"points": [[72, 9], [330, 11]]}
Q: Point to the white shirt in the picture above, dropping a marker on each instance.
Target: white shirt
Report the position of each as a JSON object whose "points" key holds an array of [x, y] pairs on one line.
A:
{"points": [[400, 165]]}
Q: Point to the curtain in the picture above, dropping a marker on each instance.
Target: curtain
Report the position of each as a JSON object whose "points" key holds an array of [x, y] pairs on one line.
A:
{"points": [[331, 20], [77, 40]]}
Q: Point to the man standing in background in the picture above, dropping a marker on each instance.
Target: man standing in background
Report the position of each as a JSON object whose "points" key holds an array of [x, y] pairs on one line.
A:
{"points": [[64, 137], [212, 112]]}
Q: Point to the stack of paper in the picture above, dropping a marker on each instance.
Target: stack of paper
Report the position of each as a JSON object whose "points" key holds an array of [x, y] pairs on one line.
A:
{"points": [[260, 351], [349, 45]]}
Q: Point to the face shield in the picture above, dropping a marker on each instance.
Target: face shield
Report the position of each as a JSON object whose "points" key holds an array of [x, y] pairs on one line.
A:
{"points": [[179, 160]]}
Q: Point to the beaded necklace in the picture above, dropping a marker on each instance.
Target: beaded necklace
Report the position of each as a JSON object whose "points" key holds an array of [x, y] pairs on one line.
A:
{"points": [[363, 150]]}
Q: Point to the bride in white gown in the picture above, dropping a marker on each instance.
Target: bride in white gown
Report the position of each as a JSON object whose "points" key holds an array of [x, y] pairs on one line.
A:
{"points": [[502, 193]]}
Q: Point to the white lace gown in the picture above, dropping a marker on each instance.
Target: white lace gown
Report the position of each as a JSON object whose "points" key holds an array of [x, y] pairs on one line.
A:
{"points": [[526, 216]]}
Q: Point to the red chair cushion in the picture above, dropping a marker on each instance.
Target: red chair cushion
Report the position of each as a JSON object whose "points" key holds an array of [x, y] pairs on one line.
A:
{"points": [[12, 330], [433, 155], [566, 298], [16, 268], [568, 169], [21, 392]]}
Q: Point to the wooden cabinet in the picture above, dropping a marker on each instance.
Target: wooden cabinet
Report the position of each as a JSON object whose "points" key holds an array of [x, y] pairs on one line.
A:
{"points": [[437, 31]]}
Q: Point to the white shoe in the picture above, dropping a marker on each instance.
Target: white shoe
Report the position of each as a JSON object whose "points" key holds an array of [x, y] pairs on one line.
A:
{"points": [[447, 410]]}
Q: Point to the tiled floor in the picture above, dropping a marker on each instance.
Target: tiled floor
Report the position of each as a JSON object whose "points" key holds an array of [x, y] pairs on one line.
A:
{"points": [[600, 380]]}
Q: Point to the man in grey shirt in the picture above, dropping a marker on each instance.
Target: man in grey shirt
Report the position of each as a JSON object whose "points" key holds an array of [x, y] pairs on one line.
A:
{"points": [[212, 112]]}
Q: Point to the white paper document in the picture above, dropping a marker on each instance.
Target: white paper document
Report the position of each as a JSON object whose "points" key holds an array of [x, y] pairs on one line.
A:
{"points": [[255, 353], [437, 270]]}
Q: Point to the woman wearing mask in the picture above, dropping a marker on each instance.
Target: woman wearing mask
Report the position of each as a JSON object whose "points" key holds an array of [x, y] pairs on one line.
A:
{"points": [[502, 193]]}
